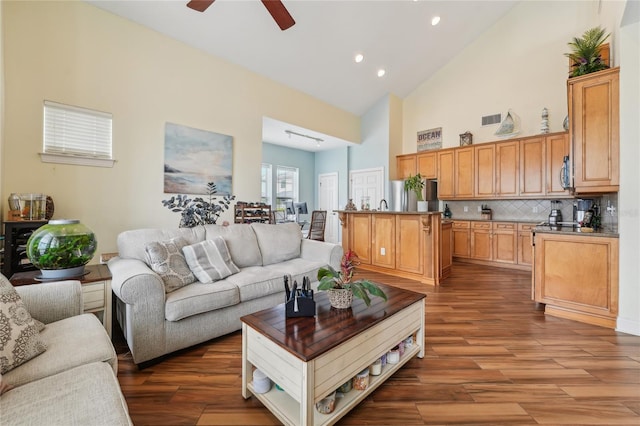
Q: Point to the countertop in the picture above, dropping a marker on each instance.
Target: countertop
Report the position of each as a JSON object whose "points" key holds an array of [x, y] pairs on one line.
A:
{"points": [[385, 212], [576, 230]]}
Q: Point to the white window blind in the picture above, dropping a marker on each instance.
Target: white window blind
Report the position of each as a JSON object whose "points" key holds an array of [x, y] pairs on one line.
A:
{"points": [[76, 132]]}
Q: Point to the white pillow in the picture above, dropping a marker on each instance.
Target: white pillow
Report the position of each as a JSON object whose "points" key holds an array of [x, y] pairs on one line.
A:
{"points": [[166, 259], [209, 260]]}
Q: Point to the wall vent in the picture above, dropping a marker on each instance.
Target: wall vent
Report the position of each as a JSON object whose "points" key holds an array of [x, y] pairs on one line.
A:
{"points": [[488, 120]]}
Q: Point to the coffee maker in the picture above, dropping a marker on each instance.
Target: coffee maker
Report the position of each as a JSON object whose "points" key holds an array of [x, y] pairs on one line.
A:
{"points": [[580, 207]]}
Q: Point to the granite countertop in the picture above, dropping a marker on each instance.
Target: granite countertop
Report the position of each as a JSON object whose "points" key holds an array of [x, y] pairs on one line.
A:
{"points": [[610, 232], [496, 220]]}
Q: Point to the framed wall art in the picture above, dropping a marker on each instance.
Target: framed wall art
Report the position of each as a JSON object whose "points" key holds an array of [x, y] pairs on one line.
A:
{"points": [[430, 139], [194, 157]]}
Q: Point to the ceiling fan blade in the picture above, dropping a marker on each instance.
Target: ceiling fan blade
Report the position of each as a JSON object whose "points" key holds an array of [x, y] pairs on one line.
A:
{"points": [[280, 13], [200, 5]]}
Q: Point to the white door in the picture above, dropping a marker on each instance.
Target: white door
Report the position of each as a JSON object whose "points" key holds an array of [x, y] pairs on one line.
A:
{"points": [[328, 200], [367, 183]]}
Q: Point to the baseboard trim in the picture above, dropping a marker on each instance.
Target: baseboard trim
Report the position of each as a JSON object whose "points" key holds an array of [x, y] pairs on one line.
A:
{"points": [[628, 326]]}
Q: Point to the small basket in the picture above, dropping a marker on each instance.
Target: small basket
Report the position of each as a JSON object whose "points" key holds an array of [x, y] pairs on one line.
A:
{"points": [[340, 298]]}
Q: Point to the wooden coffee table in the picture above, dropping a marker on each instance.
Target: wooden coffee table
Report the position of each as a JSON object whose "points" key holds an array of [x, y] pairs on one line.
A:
{"points": [[311, 357]]}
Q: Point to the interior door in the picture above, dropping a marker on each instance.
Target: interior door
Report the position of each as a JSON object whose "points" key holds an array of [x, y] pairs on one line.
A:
{"points": [[328, 200], [367, 183]]}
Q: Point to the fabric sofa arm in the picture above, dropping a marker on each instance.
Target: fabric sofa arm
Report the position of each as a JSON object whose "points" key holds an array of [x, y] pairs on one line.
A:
{"points": [[323, 251], [52, 301], [135, 283]]}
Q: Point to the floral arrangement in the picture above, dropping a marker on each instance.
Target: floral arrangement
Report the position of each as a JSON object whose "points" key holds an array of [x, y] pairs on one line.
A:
{"points": [[199, 211], [330, 279]]}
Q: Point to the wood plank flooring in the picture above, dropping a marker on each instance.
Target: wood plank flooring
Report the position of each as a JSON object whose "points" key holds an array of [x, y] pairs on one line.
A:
{"points": [[491, 357]]}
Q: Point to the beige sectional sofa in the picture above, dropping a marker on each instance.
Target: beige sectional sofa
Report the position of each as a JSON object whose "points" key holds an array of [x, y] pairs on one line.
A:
{"points": [[73, 382], [156, 322]]}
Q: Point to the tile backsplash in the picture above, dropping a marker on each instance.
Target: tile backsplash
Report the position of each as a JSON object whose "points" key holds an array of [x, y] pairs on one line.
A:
{"points": [[529, 210]]}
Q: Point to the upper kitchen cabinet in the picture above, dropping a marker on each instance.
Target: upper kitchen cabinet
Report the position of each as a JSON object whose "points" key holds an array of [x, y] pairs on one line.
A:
{"points": [[427, 165], [406, 165], [594, 110], [507, 169], [532, 167], [557, 148], [485, 173], [455, 173]]}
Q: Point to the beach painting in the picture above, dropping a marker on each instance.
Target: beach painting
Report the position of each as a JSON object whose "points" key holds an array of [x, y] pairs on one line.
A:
{"points": [[194, 157]]}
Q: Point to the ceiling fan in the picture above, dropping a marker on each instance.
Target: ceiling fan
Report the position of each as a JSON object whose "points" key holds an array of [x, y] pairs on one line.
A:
{"points": [[275, 7]]}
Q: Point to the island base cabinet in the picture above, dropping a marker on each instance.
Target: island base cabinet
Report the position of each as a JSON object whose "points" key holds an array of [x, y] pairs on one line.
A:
{"points": [[576, 277]]}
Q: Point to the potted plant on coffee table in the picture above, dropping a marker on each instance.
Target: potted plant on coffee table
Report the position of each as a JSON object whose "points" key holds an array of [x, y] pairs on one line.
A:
{"points": [[341, 287], [416, 184]]}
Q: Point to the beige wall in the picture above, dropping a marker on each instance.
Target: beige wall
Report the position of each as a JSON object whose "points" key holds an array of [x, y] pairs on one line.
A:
{"points": [[518, 63], [74, 53]]}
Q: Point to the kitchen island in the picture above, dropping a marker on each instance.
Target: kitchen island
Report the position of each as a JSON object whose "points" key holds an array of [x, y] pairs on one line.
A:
{"points": [[414, 245], [575, 273]]}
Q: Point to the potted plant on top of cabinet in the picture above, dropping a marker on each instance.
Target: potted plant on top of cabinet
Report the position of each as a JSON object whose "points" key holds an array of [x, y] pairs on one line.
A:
{"points": [[586, 55], [416, 184]]}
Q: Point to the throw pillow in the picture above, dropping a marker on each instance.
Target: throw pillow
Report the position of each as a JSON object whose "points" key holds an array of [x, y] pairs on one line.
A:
{"points": [[19, 337], [210, 260], [166, 259]]}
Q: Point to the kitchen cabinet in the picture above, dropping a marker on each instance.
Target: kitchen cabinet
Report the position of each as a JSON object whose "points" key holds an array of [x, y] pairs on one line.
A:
{"points": [[504, 240], [507, 169], [461, 231], [427, 164], [455, 173], [383, 226], [594, 111], [481, 246], [360, 237], [525, 250], [485, 170], [397, 243], [406, 166], [446, 248], [533, 167], [556, 148], [576, 277]]}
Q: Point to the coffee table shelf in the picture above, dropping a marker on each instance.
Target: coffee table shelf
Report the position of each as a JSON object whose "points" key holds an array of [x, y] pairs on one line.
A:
{"points": [[312, 357], [287, 409]]}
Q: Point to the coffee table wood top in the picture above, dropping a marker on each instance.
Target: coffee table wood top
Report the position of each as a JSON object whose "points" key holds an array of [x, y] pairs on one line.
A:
{"points": [[309, 337]]}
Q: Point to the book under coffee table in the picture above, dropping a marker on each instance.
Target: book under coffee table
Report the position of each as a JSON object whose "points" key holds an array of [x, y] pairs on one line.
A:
{"points": [[310, 357]]}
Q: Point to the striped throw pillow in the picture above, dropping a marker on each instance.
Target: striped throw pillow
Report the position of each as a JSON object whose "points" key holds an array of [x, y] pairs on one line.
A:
{"points": [[209, 260]]}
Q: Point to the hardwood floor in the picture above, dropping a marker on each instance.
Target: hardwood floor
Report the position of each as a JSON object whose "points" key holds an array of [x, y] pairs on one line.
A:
{"points": [[491, 358]]}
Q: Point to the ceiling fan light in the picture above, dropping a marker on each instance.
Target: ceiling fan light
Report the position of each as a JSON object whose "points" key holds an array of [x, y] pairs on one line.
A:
{"points": [[435, 20], [381, 72], [359, 58]]}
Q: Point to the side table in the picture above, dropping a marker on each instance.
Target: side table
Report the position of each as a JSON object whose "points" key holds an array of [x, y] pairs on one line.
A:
{"points": [[96, 290]]}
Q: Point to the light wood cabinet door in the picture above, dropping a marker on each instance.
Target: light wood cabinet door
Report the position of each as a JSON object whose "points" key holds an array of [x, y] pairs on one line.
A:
{"points": [[481, 245], [409, 247], [427, 164], [406, 166], [485, 170], [446, 174], [577, 277], [461, 238], [507, 166], [556, 147], [384, 227], [525, 250], [505, 242], [594, 115], [532, 167], [464, 187], [446, 249], [360, 236]]}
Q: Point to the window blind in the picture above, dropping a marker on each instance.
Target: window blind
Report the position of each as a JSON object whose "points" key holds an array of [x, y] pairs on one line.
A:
{"points": [[70, 130]]}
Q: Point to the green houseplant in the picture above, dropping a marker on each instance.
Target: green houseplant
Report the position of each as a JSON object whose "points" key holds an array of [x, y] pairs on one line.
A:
{"points": [[585, 52], [341, 286], [415, 184]]}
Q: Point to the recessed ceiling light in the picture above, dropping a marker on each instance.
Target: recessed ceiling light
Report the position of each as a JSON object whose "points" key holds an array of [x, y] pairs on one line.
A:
{"points": [[435, 20], [381, 72], [359, 58]]}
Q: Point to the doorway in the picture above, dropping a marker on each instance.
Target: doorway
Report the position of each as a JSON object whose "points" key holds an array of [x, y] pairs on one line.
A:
{"points": [[367, 183], [328, 200]]}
